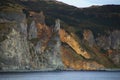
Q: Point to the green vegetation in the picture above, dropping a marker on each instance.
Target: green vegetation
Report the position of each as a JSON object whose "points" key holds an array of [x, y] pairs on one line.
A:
{"points": [[29, 21], [9, 6], [103, 51], [34, 40], [3, 28]]}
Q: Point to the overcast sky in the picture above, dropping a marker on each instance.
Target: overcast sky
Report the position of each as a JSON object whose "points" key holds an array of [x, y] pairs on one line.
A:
{"points": [[87, 3]]}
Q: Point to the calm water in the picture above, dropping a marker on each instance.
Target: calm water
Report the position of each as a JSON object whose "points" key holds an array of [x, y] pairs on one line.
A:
{"points": [[70, 75]]}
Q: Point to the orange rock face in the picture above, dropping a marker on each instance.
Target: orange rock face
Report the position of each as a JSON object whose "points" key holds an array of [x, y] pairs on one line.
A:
{"points": [[44, 33], [86, 34], [66, 38], [71, 61]]}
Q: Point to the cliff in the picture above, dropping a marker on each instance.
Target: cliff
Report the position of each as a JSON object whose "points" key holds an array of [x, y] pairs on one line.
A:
{"points": [[34, 35], [27, 43]]}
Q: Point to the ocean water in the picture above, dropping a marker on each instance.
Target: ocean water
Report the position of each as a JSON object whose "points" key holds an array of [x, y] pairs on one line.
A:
{"points": [[62, 75]]}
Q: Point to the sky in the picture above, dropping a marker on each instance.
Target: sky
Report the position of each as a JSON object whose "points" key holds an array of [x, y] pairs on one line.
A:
{"points": [[87, 3]]}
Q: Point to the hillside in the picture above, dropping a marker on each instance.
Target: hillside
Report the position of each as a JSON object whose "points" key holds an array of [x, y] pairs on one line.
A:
{"points": [[98, 19]]}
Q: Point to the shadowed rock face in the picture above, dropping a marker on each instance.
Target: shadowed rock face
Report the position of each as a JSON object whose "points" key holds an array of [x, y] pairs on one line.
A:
{"points": [[112, 40], [108, 44], [89, 37]]}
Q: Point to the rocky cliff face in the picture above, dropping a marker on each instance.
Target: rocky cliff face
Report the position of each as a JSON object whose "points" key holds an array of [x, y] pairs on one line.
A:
{"points": [[89, 37], [112, 40], [67, 38], [73, 61], [14, 49], [108, 44], [47, 43], [72, 48], [28, 43]]}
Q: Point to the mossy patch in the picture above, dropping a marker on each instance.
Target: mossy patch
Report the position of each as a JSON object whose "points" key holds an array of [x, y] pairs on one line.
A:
{"points": [[34, 40], [9, 7], [5, 29], [29, 21]]}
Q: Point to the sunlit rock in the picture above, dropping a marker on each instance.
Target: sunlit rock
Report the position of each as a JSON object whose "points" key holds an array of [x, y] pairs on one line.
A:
{"points": [[66, 38]]}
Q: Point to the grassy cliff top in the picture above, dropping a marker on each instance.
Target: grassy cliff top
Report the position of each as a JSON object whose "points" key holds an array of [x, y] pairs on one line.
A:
{"points": [[10, 6]]}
